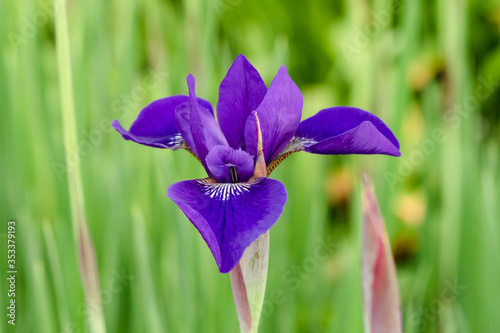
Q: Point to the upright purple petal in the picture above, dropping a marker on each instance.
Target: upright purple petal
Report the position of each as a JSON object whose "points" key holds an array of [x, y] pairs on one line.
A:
{"points": [[346, 130], [205, 131], [230, 165], [155, 125], [240, 92], [230, 217], [279, 115], [183, 121]]}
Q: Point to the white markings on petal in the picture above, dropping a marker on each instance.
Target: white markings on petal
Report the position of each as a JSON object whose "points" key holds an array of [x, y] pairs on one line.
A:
{"points": [[305, 142], [175, 140], [297, 144], [224, 191]]}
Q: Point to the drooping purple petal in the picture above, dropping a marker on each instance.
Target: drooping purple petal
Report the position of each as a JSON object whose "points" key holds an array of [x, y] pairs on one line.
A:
{"points": [[346, 130], [155, 125], [240, 92], [221, 159], [205, 131], [230, 217], [381, 299], [279, 115]]}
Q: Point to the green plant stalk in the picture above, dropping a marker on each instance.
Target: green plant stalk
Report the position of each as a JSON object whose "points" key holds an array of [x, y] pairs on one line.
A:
{"points": [[254, 265], [241, 299], [249, 277], [248, 281], [55, 267], [85, 247]]}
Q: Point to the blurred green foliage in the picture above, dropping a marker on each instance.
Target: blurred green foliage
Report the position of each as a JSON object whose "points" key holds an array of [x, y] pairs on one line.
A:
{"points": [[429, 69]]}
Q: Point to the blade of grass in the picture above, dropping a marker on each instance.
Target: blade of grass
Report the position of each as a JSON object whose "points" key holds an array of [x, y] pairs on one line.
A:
{"points": [[39, 301], [85, 247], [55, 266], [144, 271]]}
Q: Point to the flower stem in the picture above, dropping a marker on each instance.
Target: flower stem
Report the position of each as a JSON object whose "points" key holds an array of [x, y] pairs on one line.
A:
{"points": [[241, 299], [249, 277], [248, 281]]}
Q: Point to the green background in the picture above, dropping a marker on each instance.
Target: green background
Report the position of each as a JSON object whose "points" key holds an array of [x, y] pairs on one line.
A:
{"points": [[419, 65]]}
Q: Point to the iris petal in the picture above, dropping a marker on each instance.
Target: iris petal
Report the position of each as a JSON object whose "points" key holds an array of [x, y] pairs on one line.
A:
{"points": [[230, 217], [205, 131], [182, 120], [346, 130], [240, 92], [221, 159], [279, 116], [155, 125]]}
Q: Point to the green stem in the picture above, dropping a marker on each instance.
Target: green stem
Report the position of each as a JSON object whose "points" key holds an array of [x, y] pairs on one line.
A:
{"points": [[241, 299], [248, 281], [85, 246], [254, 265], [249, 277]]}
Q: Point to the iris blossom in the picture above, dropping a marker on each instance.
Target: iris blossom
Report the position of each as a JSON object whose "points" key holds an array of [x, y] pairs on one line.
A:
{"points": [[234, 206]]}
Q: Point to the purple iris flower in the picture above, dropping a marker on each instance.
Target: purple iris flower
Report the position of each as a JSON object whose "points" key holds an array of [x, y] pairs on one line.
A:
{"points": [[232, 208]]}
